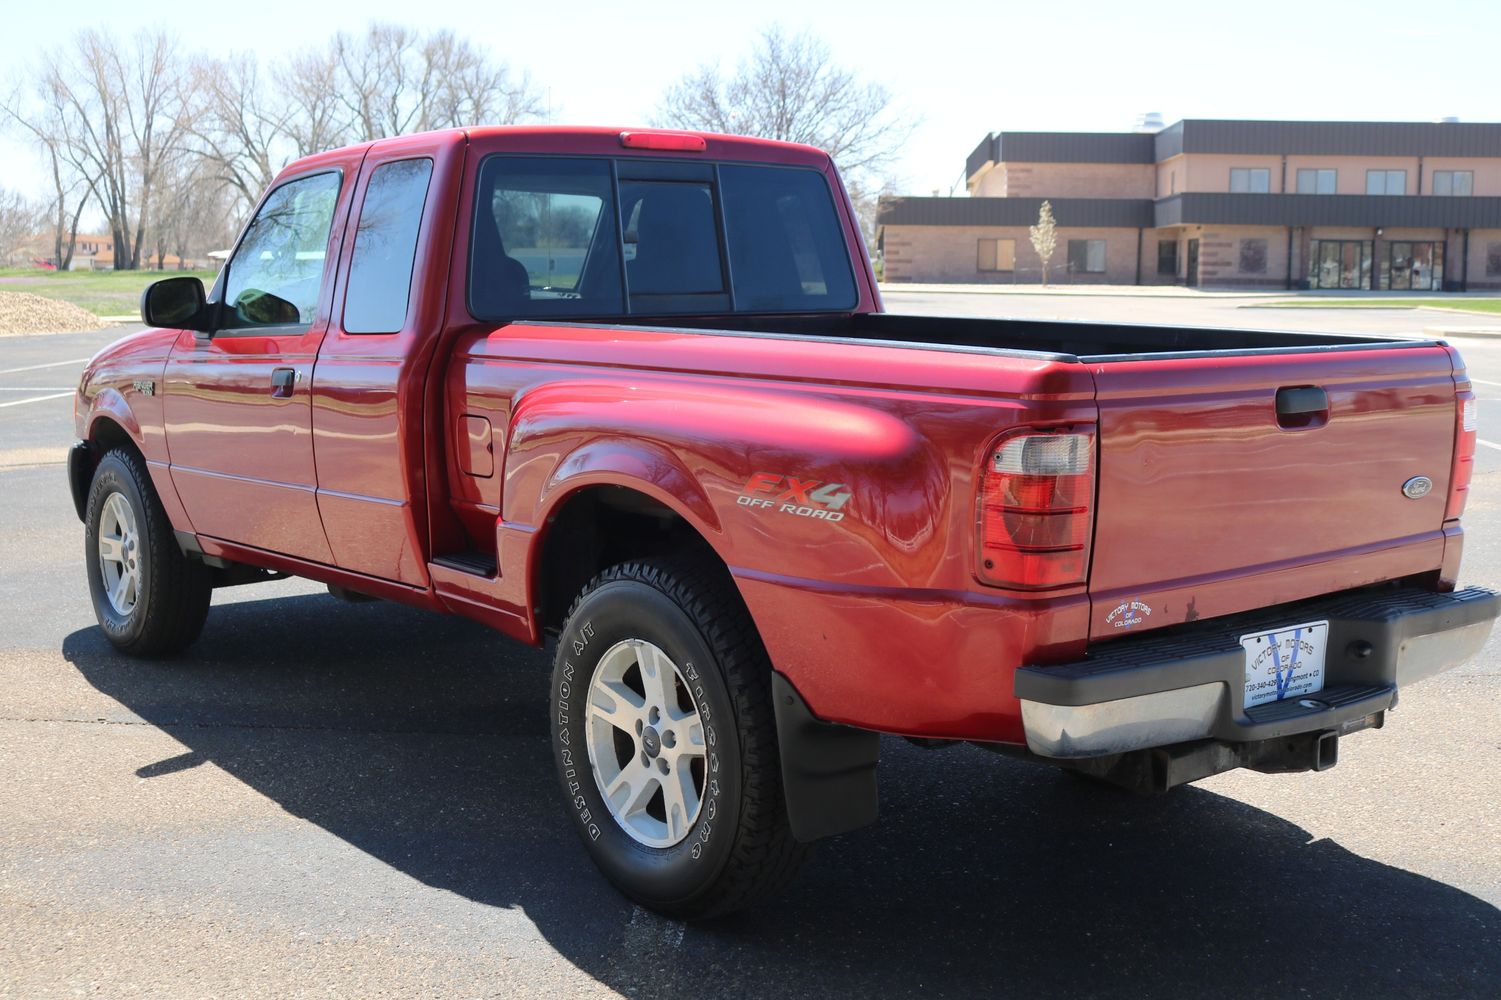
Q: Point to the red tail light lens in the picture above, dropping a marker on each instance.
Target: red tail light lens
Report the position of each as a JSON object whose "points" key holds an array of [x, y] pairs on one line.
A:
{"points": [[1035, 509], [1465, 426], [682, 142]]}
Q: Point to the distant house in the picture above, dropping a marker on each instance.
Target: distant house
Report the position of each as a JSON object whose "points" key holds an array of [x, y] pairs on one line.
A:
{"points": [[97, 253]]}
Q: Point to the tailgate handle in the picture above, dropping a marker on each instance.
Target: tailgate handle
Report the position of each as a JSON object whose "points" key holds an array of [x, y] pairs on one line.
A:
{"points": [[1302, 406]]}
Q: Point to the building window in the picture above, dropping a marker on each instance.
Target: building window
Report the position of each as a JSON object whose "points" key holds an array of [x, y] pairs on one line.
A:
{"points": [[1316, 181], [995, 255], [1167, 257], [1493, 260], [1086, 256], [1250, 180], [1253, 256], [1386, 182], [1454, 182]]}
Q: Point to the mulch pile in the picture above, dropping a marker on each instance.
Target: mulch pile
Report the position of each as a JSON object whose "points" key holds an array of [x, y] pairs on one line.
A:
{"points": [[23, 313]]}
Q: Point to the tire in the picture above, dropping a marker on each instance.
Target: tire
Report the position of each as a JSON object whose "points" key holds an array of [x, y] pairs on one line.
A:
{"points": [[735, 848], [160, 607]]}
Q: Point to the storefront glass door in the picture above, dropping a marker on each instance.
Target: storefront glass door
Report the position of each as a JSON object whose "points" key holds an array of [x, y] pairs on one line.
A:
{"points": [[1415, 266], [1340, 264]]}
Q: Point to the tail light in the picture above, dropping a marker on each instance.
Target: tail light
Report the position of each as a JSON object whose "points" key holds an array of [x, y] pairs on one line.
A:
{"points": [[1464, 454], [1035, 516]]}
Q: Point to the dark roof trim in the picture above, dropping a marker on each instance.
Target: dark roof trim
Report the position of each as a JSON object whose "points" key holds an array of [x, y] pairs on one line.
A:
{"points": [[1072, 213], [1265, 138], [982, 157], [1331, 138], [1414, 211], [1075, 147]]}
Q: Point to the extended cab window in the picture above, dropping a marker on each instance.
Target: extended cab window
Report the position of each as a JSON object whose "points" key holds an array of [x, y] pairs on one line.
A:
{"points": [[545, 240], [385, 246], [276, 275]]}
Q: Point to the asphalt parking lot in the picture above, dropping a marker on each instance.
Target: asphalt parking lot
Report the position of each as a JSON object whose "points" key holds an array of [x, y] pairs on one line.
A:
{"points": [[326, 799]]}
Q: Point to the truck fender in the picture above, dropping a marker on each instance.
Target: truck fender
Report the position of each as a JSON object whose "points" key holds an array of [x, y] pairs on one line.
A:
{"points": [[643, 466], [110, 403]]}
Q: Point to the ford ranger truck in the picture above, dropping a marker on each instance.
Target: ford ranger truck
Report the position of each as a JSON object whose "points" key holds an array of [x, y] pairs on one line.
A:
{"points": [[634, 392]]}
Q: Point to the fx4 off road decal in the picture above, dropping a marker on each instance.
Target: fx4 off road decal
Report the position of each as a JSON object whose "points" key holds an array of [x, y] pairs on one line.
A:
{"points": [[794, 495]]}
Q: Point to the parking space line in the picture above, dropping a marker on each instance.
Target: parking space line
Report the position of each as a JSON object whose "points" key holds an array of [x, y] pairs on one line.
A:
{"points": [[1481, 381], [1488, 444], [50, 364], [36, 388], [36, 399]]}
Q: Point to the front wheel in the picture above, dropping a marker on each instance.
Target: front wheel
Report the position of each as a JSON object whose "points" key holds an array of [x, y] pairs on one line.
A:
{"points": [[665, 741], [150, 599]]}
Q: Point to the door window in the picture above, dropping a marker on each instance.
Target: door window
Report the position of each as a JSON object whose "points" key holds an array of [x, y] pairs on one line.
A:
{"points": [[276, 274], [385, 246]]}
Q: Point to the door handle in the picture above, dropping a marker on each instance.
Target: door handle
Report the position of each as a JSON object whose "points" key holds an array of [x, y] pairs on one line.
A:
{"points": [[283, 381], [1302, 406]]}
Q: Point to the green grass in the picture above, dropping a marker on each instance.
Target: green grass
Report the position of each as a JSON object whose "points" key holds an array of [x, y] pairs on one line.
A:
{"points": [[103, 293], [1458, 305]]}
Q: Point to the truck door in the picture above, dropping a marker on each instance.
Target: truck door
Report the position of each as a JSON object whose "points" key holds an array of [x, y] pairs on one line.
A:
{"points": [[237, 402], [368, 389]]}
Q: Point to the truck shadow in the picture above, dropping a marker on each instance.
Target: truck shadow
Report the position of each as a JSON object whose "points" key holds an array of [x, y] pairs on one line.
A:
{"points": [[422, 742]]}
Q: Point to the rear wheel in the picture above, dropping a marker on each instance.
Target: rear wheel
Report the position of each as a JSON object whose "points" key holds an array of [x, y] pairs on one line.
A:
{"points": [[665, 741], [150, 599]]}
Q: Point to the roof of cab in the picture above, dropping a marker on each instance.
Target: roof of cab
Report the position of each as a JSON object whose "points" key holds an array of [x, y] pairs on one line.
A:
{"points": [[604, 141]]}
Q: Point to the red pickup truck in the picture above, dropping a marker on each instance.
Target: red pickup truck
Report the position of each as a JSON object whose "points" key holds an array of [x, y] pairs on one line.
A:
{"points": [[636, 390]]}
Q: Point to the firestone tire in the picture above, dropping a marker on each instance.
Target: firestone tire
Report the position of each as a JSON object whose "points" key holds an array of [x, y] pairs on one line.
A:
{"points": [[685, 624], [149, 598]]}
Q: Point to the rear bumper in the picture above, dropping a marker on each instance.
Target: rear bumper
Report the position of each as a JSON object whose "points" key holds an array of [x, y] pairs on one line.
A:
{"points": [[1189, 684]]}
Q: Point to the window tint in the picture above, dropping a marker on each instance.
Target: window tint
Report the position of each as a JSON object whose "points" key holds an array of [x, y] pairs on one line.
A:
{"points": [[385, 245], [787, 248], [550, 240], [277, 273], [544, 239], [671, 240], [1086, 256], [1167, 256]]}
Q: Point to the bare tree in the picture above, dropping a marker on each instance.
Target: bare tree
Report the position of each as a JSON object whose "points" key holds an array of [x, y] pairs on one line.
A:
{"points": [[122, 113], [1044, 238], [466, 87], [20, 221], [392, 81], [788, 89], [242, 125], [42, 118]]}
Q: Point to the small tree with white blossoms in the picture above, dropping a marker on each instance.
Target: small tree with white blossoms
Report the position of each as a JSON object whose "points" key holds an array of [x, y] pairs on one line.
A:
{"points": [[1045, 238]]}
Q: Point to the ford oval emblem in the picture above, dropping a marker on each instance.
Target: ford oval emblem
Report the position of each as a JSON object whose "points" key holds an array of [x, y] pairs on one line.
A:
{"points": [[1417, 487]]}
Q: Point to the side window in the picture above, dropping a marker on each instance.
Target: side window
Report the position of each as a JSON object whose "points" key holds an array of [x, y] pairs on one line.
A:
{"points": [[385, 247], [276, 274], [787, 248], [544, 240]]}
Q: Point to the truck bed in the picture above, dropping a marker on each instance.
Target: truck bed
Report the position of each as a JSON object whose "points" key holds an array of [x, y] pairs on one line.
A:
{"points": [[1074, 341]]}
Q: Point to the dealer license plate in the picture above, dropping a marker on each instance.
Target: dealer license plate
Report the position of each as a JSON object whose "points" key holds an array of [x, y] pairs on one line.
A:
{"points": [[1286, 663]]}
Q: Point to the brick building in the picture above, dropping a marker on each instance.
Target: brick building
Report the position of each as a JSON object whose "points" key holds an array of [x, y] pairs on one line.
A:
{"points": [[1246, 204]]}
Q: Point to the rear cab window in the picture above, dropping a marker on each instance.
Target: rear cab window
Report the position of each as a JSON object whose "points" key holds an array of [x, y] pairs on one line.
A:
{"points": [[579, 237]]}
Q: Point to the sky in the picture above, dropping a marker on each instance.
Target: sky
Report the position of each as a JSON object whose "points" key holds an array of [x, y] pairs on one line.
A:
{"points": [[963, 69]]}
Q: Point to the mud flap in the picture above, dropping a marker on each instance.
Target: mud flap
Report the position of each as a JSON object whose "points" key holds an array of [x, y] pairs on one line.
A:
{"points": [[828, 770]]}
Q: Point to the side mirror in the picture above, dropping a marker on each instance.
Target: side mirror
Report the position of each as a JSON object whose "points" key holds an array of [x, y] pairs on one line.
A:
{"points": [[175, 303]]}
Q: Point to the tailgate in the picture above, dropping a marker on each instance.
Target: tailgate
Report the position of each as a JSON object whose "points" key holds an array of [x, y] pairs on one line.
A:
{"points": [[1210, 503]]}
